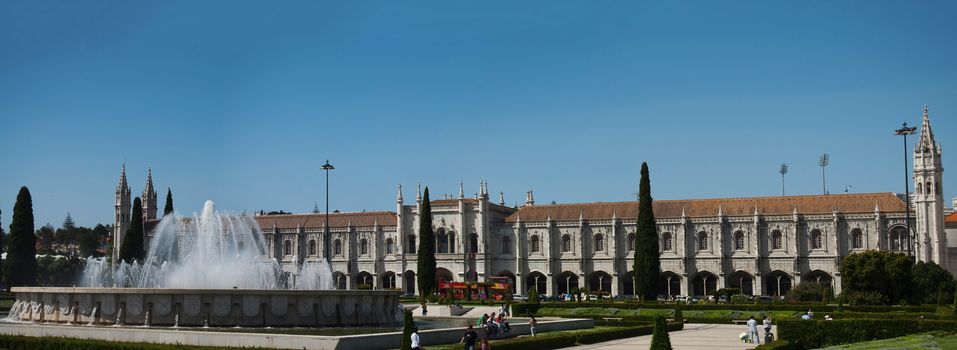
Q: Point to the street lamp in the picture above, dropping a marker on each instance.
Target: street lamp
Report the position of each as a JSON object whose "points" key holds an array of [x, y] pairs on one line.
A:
{"points": [[904, 131], [784, 170], [325, 240]]}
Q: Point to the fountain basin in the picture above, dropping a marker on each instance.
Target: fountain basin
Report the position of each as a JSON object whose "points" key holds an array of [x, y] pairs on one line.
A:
{"points": [[206, 307]]}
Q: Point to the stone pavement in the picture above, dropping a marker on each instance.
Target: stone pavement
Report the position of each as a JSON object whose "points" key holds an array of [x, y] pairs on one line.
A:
{"points": [[693, 336]]}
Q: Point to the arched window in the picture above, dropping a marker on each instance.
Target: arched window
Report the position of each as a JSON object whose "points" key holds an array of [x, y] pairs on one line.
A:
{"points": [[920, 187], [738, 240], [702, 240], [363, 247], [441, 242], [599, 243], [566, 243], [898, 239], [389, 245], [857, 239], [506, 245], [312, 247], [666, 243], [929, 188], [410, 248], [337, 248], [287, 248], [776, 240], [473, 243], [451, 241], [631, 242], [535, 245], [817, 242]]}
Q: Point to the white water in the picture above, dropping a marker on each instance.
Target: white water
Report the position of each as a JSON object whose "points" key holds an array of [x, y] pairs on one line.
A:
{"points": [[208, 250]]}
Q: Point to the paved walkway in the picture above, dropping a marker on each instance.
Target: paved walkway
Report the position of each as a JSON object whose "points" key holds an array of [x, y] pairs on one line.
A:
{"points": [[693, 336]]}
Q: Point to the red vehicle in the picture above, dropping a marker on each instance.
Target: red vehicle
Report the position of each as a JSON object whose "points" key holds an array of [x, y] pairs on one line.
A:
{"points": [[497, 289]]}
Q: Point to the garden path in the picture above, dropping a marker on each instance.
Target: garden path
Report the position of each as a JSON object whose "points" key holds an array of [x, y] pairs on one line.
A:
{"points": [[693, 336]]}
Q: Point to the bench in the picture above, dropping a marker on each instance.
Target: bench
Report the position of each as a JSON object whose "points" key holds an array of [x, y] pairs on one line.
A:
{"points": [[617, 319], [739, 321]]}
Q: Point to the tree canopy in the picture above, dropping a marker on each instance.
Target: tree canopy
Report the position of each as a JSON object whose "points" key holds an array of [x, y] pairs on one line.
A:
{"points": [[131, 248], [168, 209], [426, 254], [21, 264], [647, 256], [872, 273]]}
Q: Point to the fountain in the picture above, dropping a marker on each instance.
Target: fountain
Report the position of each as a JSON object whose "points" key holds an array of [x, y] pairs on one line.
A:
{"points": [[210, 269]]}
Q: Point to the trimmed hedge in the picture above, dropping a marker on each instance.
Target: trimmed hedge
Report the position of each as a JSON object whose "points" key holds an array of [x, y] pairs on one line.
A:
{"points": [[561, 340], [804, 334], [11, 342], [776, 345], [524, 308]]}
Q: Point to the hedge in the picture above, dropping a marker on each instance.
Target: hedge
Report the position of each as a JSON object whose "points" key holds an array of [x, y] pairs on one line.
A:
{"points": [[708, 316], [519, 309], [804, 334], [554, 340], [776, 345], [11, 342]]}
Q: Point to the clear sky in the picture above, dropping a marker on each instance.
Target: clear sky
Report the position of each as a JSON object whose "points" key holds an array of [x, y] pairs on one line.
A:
{"points": [[241, 102]]}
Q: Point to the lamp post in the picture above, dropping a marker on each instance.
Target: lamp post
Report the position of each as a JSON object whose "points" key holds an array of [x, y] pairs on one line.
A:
{"points": [[783, 170], [325, 235], [904, 131]]}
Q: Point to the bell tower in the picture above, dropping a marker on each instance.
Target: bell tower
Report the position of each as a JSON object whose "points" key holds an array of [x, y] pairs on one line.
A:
{"points": [[121, 208], [928, 196], [149, 198]]}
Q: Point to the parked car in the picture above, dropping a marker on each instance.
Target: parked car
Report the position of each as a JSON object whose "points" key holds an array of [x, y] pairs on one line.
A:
{"points": [[592, 297], [519, 297]]}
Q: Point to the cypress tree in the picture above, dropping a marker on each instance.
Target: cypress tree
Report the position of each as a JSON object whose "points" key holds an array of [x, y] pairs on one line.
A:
{"points": [[647, 257], [679, 316], [426, 253], [406, 343], [168, 209], [533, 295], [21, 266], [132, 247], [660, 340]]}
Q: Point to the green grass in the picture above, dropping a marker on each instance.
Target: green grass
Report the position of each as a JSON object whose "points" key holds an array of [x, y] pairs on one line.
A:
{"points": [[932, 340]]}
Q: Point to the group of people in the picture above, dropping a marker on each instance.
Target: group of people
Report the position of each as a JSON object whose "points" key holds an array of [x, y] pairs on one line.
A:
{"points": [[494, 324], [753, 330]]}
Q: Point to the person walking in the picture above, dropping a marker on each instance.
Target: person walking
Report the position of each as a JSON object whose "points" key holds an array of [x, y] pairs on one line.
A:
{"points": [[485, 345], [531, 325], [767, 330], [469, 338], [416, 344], [753, 330]]}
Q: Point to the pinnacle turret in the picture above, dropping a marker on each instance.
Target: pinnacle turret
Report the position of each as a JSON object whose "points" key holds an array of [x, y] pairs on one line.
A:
{"points": [[927, 144]]}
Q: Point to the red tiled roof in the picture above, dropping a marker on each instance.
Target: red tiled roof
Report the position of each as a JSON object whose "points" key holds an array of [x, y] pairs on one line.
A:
{"points": [[363, 219], [812, 204], [453, 201], [951, 218]]}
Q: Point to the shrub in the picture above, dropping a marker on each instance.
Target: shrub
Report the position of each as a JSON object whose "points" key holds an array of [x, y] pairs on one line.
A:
{"points": [[408, 323], [776, 345], [678, 316], [815, 334], [533, 295], [660, 339], [11, 342], [864, 298], [807, 291]]}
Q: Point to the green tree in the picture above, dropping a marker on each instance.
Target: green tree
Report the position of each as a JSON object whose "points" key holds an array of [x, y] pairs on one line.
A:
{"points": [[647, 257], [21, 265], [426, 253], [46, 235], [169, 202], [679, 316], [132, 247], [876, 277], [408, 324], [533, 295], [86, 240], [807, 291], [930, 280], [660, 340]]}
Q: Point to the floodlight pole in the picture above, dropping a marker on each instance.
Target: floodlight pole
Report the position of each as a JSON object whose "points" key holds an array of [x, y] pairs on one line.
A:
{"points": [[904, 131]]}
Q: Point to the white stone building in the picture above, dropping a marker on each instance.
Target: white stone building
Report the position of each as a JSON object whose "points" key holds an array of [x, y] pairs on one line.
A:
{"points": [[763, 245]]}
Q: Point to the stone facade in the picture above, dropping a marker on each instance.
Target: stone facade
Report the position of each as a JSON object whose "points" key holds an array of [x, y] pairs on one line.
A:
{"points": [[763, 245]]}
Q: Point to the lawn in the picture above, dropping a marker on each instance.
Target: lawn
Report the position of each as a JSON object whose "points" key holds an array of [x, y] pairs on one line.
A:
{"points": [[933, 340], [539, 336]]}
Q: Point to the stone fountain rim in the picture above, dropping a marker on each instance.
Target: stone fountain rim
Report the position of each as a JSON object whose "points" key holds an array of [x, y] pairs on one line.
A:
{"points": [[231, 291]]}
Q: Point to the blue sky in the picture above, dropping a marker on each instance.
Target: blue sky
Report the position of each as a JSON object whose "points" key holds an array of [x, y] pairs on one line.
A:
{"points": [[241, 102]]}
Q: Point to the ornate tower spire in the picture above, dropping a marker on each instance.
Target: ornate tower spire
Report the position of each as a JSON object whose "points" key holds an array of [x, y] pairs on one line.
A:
{"points": [[398, 197], [121, 211], [927, 142], [928, 203], [149, 198], [461, 190], [529, 198], [418, 192], [501, 198]]}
